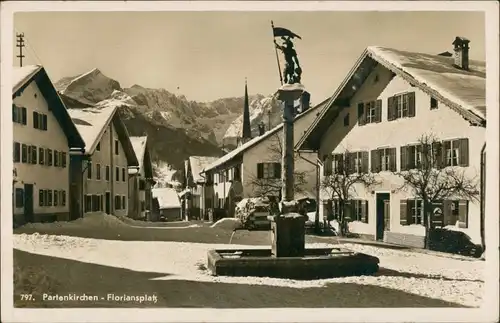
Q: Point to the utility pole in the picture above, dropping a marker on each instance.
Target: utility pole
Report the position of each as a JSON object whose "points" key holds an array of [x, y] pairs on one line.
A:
{"points": [[20, 45]]}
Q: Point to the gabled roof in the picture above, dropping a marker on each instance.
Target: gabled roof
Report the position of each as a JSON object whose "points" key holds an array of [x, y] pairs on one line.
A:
{"points": [[198, 163], [139, 146], [241, 149], [23, 76], [167, 198], [464, 91], [92, 123]]}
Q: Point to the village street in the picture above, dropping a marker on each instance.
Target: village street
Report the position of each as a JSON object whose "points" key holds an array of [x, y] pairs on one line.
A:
{"points": [[111, 256]]}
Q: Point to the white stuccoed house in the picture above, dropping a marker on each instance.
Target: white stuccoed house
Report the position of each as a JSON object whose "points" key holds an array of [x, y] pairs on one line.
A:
{"points": [[389, 100]]}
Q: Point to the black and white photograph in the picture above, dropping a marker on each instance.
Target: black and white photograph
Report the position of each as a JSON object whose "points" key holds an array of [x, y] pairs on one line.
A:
{"points": [[249, 161]]}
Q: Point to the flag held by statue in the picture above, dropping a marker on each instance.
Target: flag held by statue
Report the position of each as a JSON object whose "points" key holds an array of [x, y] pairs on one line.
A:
{"points": [[281, 32]]}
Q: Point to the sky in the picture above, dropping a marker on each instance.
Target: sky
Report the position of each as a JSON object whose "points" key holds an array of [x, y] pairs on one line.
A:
{"points": [[207, 55]]}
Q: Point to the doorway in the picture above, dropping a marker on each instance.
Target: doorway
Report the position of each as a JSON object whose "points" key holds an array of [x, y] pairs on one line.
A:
{"points": [[108, 203], [28, 203], [383, 214]]}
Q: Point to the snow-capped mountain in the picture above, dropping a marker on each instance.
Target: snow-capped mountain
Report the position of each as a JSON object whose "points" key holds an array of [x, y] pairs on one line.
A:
{"points": [[177, 127]]}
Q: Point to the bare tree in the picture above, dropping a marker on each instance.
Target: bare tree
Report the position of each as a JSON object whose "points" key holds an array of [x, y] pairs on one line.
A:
{"points": [[426, 172], [341, 174], [271, 185]]}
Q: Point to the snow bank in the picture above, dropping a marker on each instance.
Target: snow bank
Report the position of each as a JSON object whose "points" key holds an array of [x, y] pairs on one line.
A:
{"points": [[91, 220], [227, 223], [417, 273]]}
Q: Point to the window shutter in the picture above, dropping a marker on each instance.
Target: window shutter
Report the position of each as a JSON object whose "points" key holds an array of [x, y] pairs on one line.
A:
{"points": [[348, 210], [378, 111], [392, 159], [33, 155], [40, 197], [437, 151], [24, 116], [260, 170], [364, 211], [35, 120], [17, 152], [464, 152], [364, 161], [327, 166], [391, 112], [63, 157], [404, 158], [403, 212], [374, 161], [352, 163], [463, 206], [14, 113], [411, 104], [277, 170], [361, 114], [45, 126], [447, 216]]}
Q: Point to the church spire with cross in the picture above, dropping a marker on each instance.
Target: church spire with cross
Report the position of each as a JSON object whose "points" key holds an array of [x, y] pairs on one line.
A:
{"points": [[246, 132]]}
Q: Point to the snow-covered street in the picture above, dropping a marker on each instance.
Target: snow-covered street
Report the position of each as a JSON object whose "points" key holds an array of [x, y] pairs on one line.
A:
{"points": [[447, 279]]}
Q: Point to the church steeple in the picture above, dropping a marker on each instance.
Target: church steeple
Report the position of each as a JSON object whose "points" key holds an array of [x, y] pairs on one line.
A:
{"points": [[246, 132]]}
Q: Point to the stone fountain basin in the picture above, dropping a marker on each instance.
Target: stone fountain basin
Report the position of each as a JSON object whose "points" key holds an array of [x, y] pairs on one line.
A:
{"points": [[317, 263]]}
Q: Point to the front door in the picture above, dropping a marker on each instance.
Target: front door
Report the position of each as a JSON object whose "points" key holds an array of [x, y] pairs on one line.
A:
{"points": [[383, 214], [108, 203], [28, 202]]}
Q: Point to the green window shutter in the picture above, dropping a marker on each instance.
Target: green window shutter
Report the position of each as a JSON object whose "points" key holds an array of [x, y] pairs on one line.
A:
{"points": [[260, 170], [392, 159], [35, 120], [364, 161], [361, 114], [24, 116], [404, 158], [374, 161], [378, 110], [391, 109], [437, 151], [352, 163], [40, 198]]}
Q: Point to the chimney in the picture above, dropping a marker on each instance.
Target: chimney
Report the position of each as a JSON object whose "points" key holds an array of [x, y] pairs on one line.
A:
{"points": [[305, 101], [461, 48], [262, 128], [246, 132]]}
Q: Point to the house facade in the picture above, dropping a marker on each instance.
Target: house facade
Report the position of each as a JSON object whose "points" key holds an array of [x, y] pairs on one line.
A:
{"points": [[43, 133], [388, 102], [254, 168], [104, 164], [197, 200], [166, 204], [140, 181]]}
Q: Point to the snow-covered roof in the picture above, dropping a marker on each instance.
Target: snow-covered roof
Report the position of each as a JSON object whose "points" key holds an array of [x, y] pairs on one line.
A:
{"points": [[464, 87], [139, 145], [167, 198], [463, 91], [197, 164], [239, 150], [91, 123], [21, 75]]}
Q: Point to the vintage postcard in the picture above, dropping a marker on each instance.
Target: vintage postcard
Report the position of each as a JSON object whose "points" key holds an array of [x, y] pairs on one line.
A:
{"points": [[264, 161]]}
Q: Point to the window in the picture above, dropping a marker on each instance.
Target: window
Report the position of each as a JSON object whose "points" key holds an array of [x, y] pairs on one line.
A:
{"points": [[434, 103], [96, 203], [89, 170], [24, 153], [41, 155], [456, 152], [107, 173], [33, 154], [142, 184], [63, 197], [98, 171], [456, 211], [346, 120], [360, 210], [123, 174], [358, 162], [49, 157], [416, 209], [49, 198], [118, 202], [117, 148], [40, 198], [56, 158], [401, 106], [117, 173], [39, 121], [412, 156], [369, 112], [88, 203], [383, 159], [17, 152], [63, 159], [56, 197], [268, 170], [19, 197], [98, 148], [19, 115]]}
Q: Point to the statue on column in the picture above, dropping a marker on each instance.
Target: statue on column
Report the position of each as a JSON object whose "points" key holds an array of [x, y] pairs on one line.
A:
{"points": [[292, 72]]}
